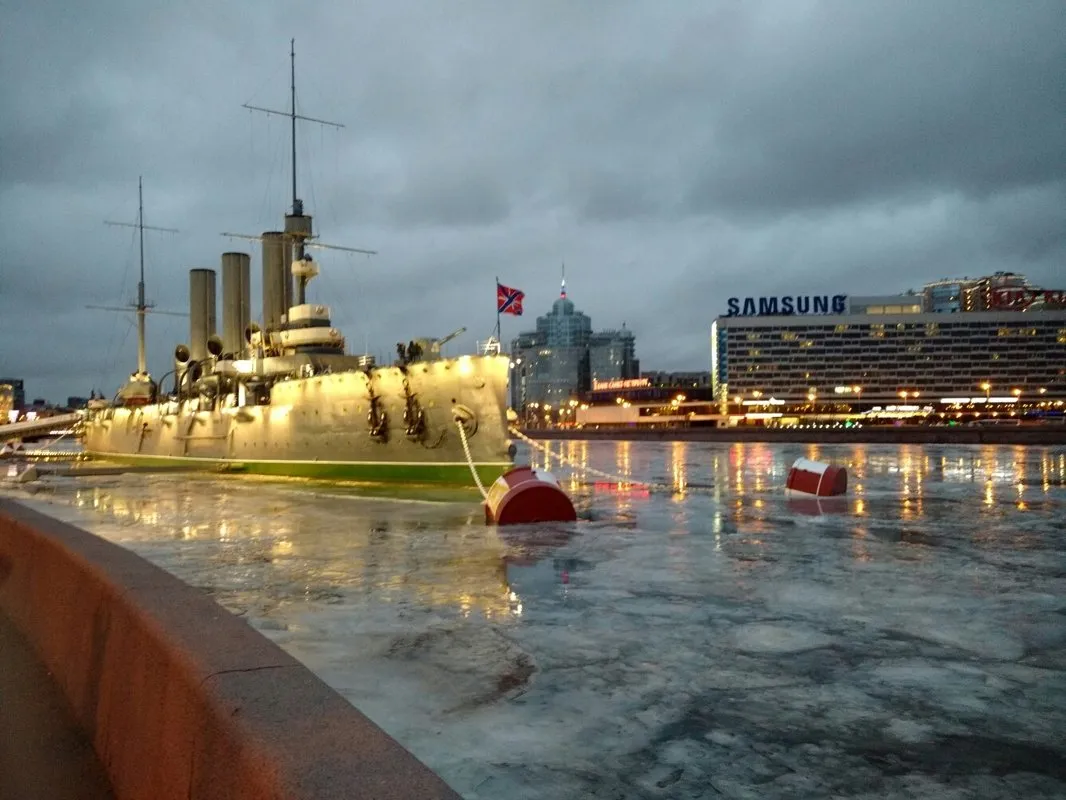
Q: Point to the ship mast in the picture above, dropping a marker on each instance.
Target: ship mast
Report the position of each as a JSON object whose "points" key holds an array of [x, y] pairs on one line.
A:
{"points": [[297, 225], [142, 359], [297, 206], [298, 235], [141, 306]]}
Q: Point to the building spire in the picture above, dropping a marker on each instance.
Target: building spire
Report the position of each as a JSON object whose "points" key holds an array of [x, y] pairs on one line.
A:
{"points": [[562, 293]]}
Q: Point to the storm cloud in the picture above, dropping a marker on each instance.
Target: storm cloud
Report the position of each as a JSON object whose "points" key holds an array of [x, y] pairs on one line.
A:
{"points": [[671, 154]]}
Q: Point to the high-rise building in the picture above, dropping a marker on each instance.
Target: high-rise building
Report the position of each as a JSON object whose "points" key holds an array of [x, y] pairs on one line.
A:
{"points": [[881, 348], [559, 360]]}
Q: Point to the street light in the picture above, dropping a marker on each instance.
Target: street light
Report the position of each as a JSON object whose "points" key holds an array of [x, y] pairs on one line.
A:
{"points": [[988, 389]]}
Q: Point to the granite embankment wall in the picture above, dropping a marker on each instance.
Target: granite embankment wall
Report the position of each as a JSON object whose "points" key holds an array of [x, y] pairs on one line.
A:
{"points": [[180, 698], [867, 435], [1035, 435]]}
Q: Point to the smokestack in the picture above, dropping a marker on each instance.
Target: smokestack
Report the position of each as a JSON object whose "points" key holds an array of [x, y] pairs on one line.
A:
{"points": [[236, 301], [201, 311], [277, 278]]}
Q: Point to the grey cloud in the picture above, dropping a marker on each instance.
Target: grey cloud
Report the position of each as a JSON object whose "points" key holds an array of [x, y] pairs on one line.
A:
{"points": [[671, 154]]}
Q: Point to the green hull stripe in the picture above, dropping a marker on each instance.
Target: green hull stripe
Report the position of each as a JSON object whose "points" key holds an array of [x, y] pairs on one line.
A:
{"points": [[380, 472]]}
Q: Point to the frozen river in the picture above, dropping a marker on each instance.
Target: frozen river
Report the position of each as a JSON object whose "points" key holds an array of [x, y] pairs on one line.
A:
{"points": [[716, 640]]}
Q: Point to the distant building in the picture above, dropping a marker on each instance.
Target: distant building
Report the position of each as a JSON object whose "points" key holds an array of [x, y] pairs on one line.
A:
{"points": [[560, 359], [1003, 344], [77, 402], [17, 390], [979, 295], [885, 304], [944, 296]]}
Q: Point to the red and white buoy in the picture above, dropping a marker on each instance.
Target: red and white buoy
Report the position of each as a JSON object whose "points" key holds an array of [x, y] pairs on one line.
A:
{"points": [[524, 495], [816, 479]]}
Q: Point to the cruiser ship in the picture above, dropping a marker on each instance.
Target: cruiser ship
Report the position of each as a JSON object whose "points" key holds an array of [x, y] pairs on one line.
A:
{"points": [[282, 396]]}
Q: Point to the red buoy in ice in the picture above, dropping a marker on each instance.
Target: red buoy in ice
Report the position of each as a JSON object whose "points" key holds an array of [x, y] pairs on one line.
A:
{"points": [[523, 495], [816, 479]]}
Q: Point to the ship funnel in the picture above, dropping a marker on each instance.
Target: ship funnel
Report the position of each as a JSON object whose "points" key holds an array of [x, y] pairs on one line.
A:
{"points": [[236, 302], [277, 280], [214, 345], [201, 311]]}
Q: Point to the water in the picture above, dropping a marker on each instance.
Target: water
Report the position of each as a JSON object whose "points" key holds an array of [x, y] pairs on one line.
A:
{"points": [[718, 640]]}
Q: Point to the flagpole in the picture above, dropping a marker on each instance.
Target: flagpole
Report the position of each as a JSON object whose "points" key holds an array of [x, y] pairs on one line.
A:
{"points": [[498, 313]]}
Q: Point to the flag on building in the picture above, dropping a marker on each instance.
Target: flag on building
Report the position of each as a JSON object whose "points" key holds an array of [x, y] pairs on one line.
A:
{"points": [[508, 300]]}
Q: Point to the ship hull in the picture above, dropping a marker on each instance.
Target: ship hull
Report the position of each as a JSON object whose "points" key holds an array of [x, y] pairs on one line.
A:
{"points": [[455, 474], [318, 427]]}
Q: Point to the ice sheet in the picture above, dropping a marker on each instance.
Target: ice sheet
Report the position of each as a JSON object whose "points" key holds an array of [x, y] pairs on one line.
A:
{"points": [[909, 641]]}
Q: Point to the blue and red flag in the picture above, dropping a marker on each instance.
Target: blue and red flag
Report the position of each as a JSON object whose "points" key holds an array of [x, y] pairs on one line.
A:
{"points": [[508, 300]]}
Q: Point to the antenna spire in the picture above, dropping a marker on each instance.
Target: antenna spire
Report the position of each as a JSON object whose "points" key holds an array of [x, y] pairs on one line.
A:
{"points": [[563, 291]]}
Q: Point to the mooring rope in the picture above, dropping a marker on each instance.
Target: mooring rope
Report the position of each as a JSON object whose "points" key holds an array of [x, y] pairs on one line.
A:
{"points": [[469, 459], [650, 486]]}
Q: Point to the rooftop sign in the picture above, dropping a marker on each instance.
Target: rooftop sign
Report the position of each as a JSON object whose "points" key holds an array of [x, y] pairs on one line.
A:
{"points": [[786, 306], [620, 383]]}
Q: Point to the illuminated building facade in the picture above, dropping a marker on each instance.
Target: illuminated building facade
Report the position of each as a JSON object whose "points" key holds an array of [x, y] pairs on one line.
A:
{"points": [[867, 358]]}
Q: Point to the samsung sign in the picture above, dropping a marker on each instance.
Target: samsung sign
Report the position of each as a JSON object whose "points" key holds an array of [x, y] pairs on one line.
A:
{"points": [[786, 306]]}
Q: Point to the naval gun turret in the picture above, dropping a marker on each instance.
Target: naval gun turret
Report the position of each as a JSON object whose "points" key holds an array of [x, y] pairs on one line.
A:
{"points": [[424, 348]]}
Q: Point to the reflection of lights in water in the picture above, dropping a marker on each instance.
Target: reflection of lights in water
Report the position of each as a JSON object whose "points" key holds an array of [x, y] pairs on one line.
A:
{"points": [[758, 502], [739, 482], [859, 549], [860, 507], [677, 465], [988, 493], [623, 458]]}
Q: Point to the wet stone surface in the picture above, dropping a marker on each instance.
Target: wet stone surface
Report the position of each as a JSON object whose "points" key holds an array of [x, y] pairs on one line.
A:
{"points": [[720, 640]]}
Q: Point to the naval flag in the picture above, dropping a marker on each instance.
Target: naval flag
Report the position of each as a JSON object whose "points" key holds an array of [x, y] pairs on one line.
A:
{"points": [[508, 300]]}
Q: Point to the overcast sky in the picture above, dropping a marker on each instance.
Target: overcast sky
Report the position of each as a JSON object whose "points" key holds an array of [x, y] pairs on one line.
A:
{"points": [[672, 153]]}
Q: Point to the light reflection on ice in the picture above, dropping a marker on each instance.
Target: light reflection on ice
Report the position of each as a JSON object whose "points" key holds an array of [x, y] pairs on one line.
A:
{"points": [[908, 640]]}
